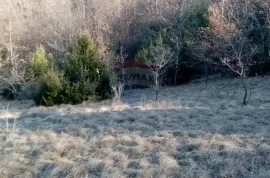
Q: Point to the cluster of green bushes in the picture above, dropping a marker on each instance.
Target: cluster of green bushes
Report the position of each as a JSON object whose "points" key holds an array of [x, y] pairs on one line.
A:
{"points": [[83, 75]]}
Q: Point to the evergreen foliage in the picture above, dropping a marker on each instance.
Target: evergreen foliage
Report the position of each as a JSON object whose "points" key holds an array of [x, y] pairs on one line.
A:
{"points": [[83, 76], [86, 73], [40, 63]]}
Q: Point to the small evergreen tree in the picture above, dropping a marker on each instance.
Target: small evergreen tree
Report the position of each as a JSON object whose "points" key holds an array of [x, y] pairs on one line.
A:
{"points": [[39, 64], [85, 72], [43, 74], [84, 64]]}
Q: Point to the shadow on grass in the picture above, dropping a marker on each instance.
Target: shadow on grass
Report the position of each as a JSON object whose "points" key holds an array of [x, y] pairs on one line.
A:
{"points": [[144, 122]]}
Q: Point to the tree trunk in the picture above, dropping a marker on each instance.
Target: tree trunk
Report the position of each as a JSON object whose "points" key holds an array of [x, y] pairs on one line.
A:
{"points": [[156, 84], [246, 91], [157, 91], [175, 75], [261, 70], [206, 71]]}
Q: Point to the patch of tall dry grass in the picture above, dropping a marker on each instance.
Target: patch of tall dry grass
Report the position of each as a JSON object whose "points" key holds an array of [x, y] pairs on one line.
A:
{"points": [[195, 130]]}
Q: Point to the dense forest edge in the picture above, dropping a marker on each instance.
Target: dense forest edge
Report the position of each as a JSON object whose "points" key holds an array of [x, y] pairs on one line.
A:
{"points": [[65, 52]]}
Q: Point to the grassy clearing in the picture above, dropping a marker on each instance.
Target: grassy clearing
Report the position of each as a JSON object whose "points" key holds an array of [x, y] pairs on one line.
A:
{"points": [[195, 130]]}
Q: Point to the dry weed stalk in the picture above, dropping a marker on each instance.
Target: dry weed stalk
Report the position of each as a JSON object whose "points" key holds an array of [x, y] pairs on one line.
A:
{"points": [[7, 125]]}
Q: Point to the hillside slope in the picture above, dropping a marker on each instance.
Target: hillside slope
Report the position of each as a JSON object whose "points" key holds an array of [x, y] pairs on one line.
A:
{"points": [[195, 130]]}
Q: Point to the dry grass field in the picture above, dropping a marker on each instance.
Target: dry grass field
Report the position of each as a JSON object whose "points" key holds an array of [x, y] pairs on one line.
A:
{"points": [[198, 130]]}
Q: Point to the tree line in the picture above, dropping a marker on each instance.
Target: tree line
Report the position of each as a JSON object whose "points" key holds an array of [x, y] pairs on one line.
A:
{"points": [[76, 43]]}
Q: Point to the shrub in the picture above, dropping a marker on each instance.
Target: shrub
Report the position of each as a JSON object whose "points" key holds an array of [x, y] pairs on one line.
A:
{"points": [[11, 74], [87, 75], [10, 92], [44, 76], [85, 63], [103, 89], [51, 90], [39, 64], [83, 76]]}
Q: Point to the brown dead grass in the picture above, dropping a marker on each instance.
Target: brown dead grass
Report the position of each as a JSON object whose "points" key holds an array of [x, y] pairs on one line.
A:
{"points": [[196, 130]]}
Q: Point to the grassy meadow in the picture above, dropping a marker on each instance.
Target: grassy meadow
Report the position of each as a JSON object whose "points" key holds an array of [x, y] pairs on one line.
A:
{"points": [[197, 130]]}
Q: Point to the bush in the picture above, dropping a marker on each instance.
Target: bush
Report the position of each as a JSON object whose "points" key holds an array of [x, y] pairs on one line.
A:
{"points": [[83, 76], [40, 63], [52, 85], [44, 76], [85, 63], [55, 90], [10, 92], [11, 74], [87, 75], [103, 89]]}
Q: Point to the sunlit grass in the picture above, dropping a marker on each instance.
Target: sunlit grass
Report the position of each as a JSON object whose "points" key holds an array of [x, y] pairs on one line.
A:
{"points": [[194, 130]]}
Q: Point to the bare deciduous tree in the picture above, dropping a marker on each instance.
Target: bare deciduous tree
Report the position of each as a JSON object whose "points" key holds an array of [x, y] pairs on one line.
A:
{"points": [[117, 62], [235, 39], [239, 47], [160, 57], [240, 60], [229, 40]]}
